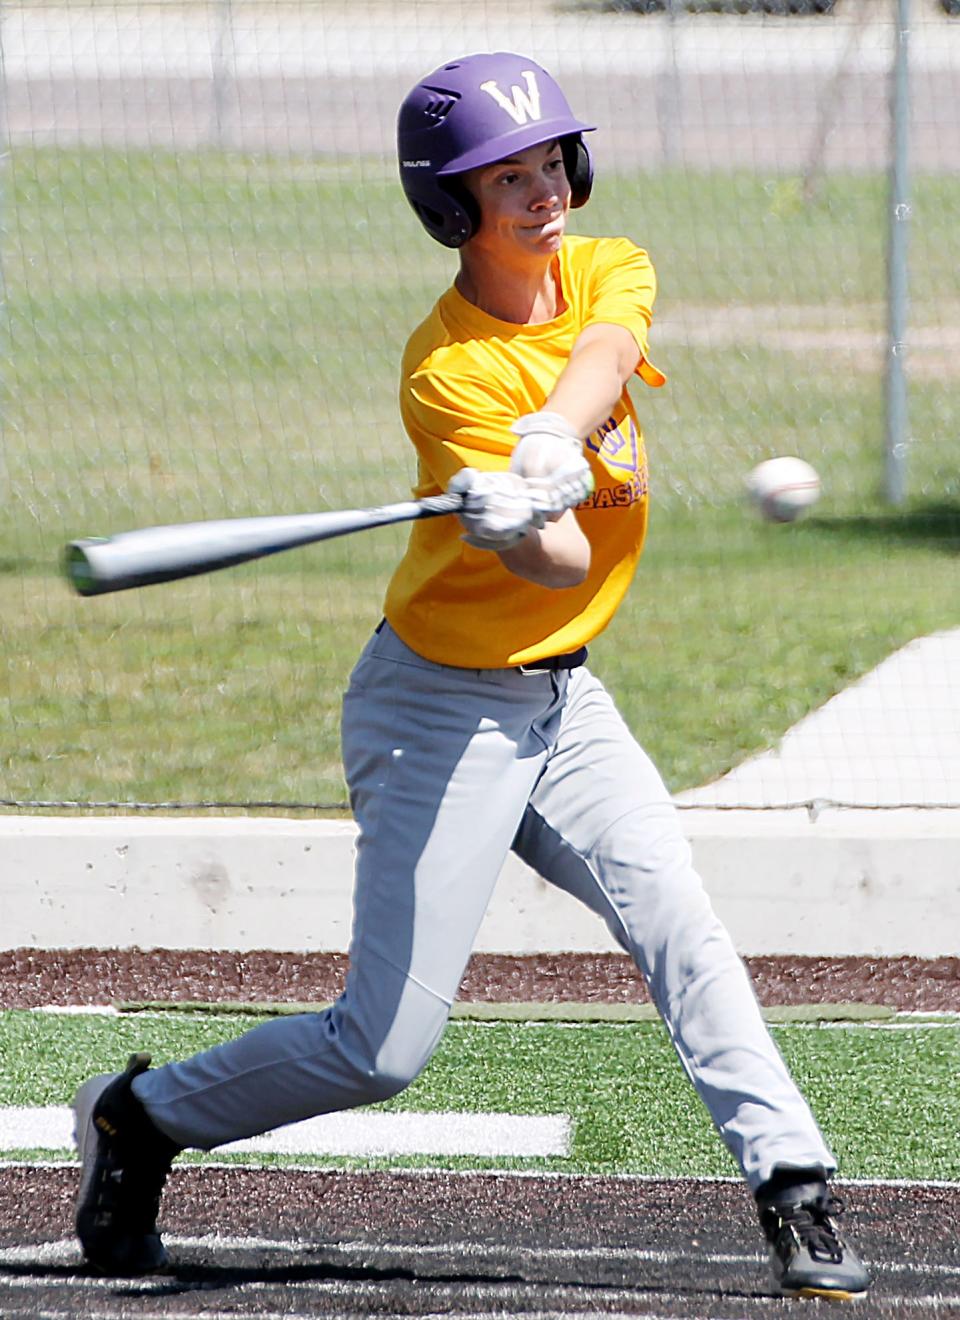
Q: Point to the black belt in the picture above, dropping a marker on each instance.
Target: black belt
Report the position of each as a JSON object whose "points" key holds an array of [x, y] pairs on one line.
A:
{"points": [[550, 663]]}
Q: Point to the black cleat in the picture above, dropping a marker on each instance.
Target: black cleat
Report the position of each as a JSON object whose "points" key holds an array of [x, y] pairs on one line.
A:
{"points": [[808, 1256], [124, 1164]]}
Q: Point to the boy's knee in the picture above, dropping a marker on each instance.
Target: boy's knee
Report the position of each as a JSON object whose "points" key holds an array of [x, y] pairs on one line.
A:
{"points": [[384, 1046], [382, 1084], [382, 1071]]}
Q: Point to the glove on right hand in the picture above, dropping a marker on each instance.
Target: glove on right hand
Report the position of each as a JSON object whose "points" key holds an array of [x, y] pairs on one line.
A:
{"points": [[550, 455], [499, 508]]}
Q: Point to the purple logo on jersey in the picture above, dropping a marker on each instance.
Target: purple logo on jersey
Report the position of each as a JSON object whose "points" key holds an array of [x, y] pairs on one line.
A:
{"points": [[620, 449]]}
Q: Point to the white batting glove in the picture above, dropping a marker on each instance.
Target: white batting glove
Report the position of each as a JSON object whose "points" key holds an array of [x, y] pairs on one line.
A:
{"points": [[499, 510], [550, 455]]}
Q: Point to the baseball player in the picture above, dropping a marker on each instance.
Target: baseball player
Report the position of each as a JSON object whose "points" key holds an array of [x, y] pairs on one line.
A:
{"points": [[472, 723]]}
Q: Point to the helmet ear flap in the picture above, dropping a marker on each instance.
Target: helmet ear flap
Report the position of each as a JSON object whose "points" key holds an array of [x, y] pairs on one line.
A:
{"points": [[465, 207], [578, 167]]}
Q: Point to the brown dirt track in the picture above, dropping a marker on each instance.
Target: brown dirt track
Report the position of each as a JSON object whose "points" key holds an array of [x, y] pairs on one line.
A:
{"points": [[274, 1242], [32, 977]]}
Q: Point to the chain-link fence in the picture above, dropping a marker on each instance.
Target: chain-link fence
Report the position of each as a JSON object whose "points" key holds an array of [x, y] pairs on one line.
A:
{"points": [[209, 273]]}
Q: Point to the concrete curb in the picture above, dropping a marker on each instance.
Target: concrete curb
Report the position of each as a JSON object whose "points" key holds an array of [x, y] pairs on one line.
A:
{"points": [[838, 883]]}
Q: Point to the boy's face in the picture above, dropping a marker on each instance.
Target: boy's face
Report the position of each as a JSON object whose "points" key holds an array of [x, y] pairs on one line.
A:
{"points": [[524, 200]]}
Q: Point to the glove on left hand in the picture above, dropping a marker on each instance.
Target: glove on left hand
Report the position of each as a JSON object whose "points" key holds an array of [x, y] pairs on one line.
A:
{"points": [[499, 508]]}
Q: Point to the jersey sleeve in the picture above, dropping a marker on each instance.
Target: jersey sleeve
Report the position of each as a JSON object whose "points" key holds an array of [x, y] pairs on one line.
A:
{"points": [[623, 287], [457, 420]]}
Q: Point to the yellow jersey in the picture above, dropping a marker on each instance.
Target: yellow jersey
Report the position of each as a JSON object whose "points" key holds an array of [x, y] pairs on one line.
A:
{"points": [[466, 377]]}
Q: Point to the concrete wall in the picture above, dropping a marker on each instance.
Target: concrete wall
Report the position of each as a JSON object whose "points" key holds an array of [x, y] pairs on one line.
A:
{"points": [[846, 883]]}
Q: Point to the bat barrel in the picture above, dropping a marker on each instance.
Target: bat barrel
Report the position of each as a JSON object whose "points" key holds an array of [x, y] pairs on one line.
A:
{"points": [[79, 569], [165, 554], [96, 565]]}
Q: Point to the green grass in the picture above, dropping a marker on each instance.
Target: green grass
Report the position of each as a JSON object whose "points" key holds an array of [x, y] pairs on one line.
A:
{"points": [[203, 335], [886, 1099]]}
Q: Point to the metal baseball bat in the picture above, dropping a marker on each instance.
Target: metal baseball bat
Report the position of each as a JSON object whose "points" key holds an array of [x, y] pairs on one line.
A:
{"points": [[100, 564]]}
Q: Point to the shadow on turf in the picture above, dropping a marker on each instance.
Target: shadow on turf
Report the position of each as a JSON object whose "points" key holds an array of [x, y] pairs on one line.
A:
{"points": [[936, 525], [181, 1279]]}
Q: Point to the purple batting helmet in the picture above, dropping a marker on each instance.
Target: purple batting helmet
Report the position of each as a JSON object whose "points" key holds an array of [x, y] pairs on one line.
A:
{"points": [[475, 111]]}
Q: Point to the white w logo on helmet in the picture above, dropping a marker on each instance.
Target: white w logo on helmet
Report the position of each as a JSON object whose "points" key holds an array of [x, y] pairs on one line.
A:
{"points": [[521, 105]]}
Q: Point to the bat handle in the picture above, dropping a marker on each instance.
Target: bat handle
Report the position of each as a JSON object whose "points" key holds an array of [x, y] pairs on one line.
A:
{"points": [[432, 506]]}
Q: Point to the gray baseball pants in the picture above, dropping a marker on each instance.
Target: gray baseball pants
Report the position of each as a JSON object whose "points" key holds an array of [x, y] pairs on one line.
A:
{"points": [[448, 769]]}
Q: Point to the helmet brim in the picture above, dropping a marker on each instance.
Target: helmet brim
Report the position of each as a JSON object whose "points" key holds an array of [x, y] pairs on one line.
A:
{"points": [[506, 144]]}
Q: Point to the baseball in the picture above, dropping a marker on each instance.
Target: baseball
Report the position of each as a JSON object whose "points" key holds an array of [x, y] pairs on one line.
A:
{"points": [[783, 488]]}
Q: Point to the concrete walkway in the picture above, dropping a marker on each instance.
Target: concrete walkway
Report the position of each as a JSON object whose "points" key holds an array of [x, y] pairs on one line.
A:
{"points": [[890, 740], [742, 91], [260, 40]]}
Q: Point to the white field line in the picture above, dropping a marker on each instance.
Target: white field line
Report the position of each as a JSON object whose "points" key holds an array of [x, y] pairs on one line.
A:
{"points": [[213, 1315], [351, 1133], [65, 1252], [924, 1303], [358, 1251], [904, 1019], [920, 1184], [372, 1292], [78, 1010], [878, 1026], [932, 1305], [207, 1314]]}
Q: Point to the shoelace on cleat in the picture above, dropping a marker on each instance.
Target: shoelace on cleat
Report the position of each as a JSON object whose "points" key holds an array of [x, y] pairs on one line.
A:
{"points": [[814, 1228]]}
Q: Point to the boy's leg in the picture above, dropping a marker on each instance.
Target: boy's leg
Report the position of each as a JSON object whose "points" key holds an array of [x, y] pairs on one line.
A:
{"points": [[440, 765], [601, 825]]}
